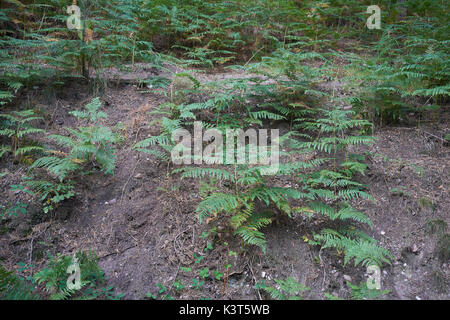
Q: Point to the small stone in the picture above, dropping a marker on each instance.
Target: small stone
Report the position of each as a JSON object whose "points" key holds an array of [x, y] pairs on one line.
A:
{"points": [[113, 201], [418, 298], [382, 233], [263, 274], [138, 176], [348, 278]]}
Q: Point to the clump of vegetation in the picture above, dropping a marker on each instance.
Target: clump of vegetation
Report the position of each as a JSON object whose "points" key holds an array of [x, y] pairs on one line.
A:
{"points": [[93, 144], [288, 289], [362, 292], [332, 190], [87, 146], [17, 126], [13, 287], [56, 276]]}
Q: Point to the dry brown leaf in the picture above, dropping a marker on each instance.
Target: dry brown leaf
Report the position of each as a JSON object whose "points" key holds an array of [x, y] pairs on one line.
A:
{"points": [[88, 35]]}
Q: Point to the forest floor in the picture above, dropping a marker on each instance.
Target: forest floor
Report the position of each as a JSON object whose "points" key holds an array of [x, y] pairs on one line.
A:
{"points": [[143, 226]]}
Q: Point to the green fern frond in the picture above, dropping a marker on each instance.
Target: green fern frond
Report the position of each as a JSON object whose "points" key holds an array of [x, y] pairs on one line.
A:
{"points": [[348, 212], [56, 166], [362, 251], [28, 149], [252, 236], [191, 172], [4, 150], [13, 287], [63, 141], [91, 112], [216, 203], [28, 131], [265, 115], [352, 194], [152, 141]]}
